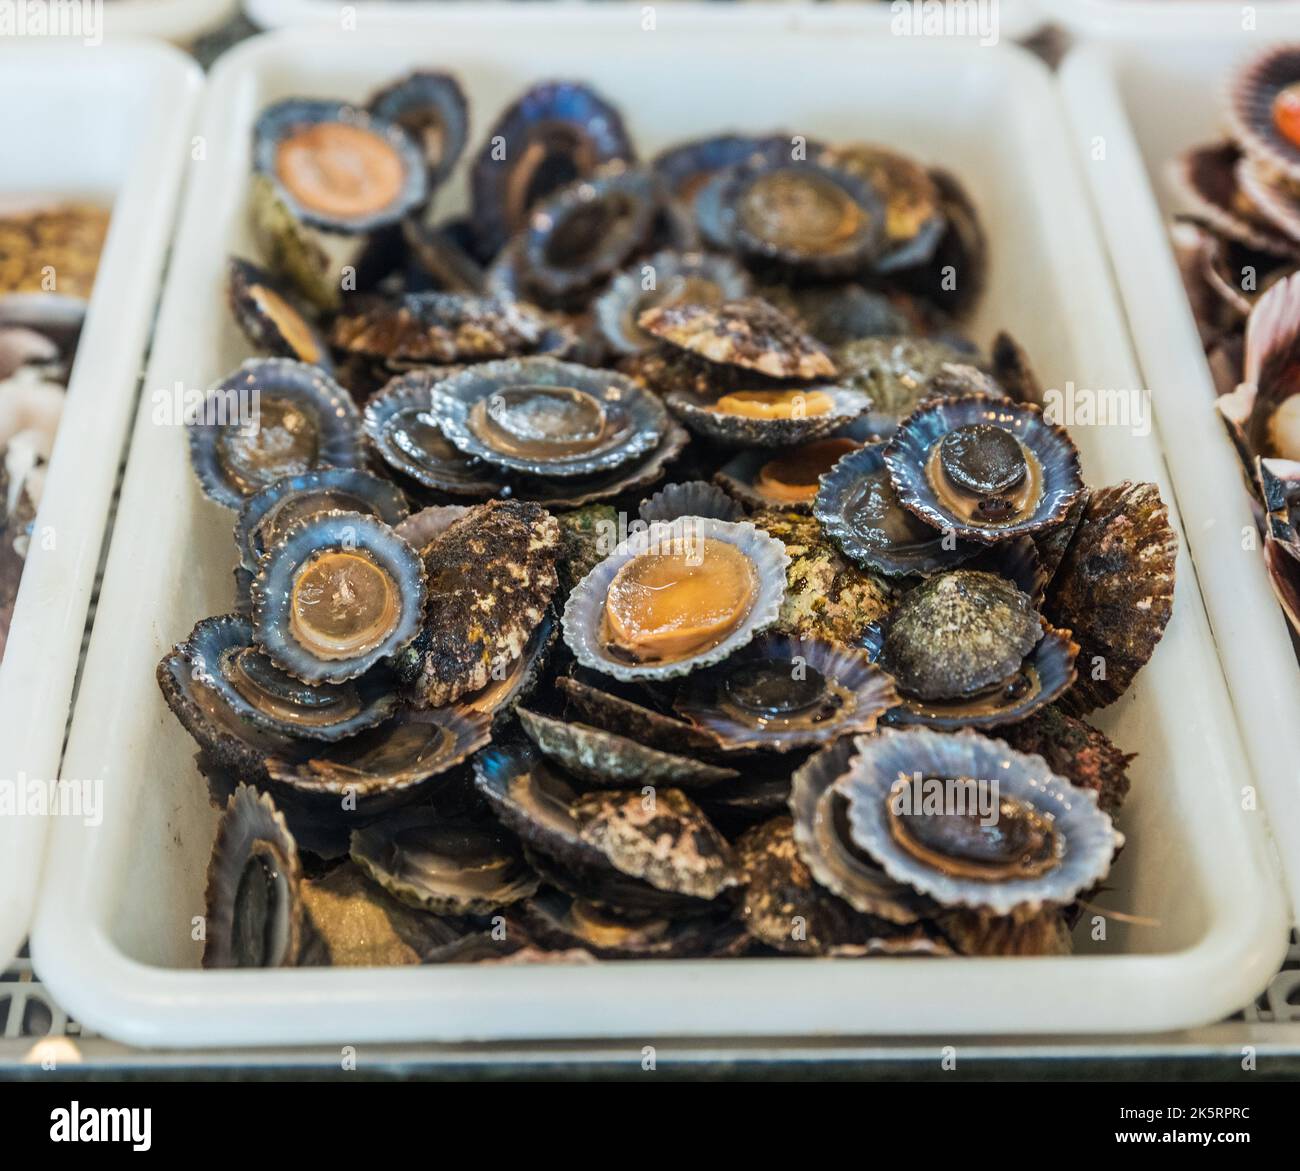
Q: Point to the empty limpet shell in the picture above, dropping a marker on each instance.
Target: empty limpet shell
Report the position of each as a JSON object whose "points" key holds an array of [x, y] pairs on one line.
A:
{"points": [[608, 760], [337, 594], [675, 597], [273, 417], [780, 693], [1007, 837], [441, 865], [541, 417]]}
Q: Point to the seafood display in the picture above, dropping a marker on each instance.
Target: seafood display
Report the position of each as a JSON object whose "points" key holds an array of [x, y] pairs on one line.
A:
{"points": [[49, 254], [646, 563]]}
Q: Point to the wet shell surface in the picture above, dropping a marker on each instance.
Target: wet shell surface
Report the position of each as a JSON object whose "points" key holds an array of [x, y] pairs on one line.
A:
{"points": [[537, 416], [255, 914], [662, 838], [269, 317], [1115, 590], [608, 760], [860, 511], [984, 469], [821, 835], [491, 578], [780, 693], [694, 498], [444, 866], [897, 374], [267, 516], [768, 418], [1012, 837], [646, 725], [1262, 108], [431, 108], [271, 418], [675, 278], [337, 594], [221, 657], [750, 334], [336, 167], [706, 616]]}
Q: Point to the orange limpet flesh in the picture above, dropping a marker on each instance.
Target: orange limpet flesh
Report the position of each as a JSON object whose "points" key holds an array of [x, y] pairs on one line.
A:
{"points": [[774, 404], [792, 476], [1286, 114], [343, 605], [289, 322], [340, 170], [679, 600]]}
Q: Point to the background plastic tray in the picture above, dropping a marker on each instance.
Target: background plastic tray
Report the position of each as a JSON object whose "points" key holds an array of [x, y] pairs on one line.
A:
{"points": [[1015, 18], [109, 125], [1147, 104], [180, 21], [114, 933], [1162, 21]]}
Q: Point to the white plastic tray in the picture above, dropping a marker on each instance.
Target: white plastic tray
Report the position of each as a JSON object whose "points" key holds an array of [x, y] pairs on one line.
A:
{"points": [[179, 21], [1014, 18], [109, 125], [1162, 21], [1148, 104], [113, 937]]}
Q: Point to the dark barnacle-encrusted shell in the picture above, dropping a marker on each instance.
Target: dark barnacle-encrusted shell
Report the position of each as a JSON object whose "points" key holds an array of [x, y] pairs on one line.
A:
{"points": [[617, 713], [666, 278], [610, 855], [897, 374], [693, 498], [975, 631], [295, 116], [783, 907], [557, 921], [959, 633], [1115, 589], [439, 329], [255, 912], [860, 511], [271, 418], [914, 220], [540, 417], [339, 592], [1262, 102], [491, 577], [782, 692], [442, 865], [749, 334], [970, 822], [1076, 750], [268, 515], [221, 657], [662, 838], [268, 317], [584, 610], [554, 133], [585, 232], [430, 106], [612, 761], [984, 468], [821, 835], [801, 217]]}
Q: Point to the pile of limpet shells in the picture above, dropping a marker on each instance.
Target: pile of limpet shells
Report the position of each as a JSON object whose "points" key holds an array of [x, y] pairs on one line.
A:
{"points": [[622, 568], [1238, 247]]}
